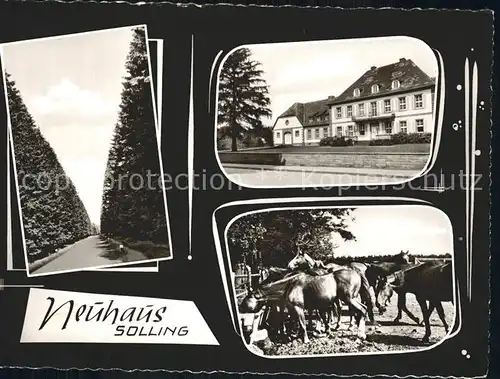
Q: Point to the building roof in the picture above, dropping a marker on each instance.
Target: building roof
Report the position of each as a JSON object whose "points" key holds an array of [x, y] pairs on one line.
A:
{"points": [[308, 113], [409, 75]]}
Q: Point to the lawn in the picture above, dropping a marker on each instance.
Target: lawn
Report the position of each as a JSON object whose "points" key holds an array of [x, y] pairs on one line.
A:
{"points": [[407, 148]]}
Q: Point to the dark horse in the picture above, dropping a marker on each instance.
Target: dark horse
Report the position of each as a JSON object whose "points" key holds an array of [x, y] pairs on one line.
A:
{"points": [[377, 271], [302, 291], [430, 281]]}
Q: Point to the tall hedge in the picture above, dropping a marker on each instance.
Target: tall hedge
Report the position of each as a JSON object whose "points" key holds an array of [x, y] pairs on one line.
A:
{"points": [[53, 214], [133, 206]]}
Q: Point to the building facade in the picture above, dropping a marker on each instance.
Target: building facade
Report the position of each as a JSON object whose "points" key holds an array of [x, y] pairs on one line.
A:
{"points": [[396, 98], [303, 123]]}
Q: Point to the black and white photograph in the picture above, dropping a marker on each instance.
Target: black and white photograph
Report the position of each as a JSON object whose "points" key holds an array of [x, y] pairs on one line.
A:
{"points": [[326, 113], [86, 154], [363, 280]]}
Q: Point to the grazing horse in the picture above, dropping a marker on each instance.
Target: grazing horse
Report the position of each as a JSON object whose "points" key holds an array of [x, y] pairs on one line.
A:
{"points": [[304, 262], [432, 281]]}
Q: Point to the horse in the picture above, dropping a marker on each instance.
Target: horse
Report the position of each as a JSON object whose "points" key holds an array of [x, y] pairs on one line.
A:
{"points": [[376, 271], [320, 292], [432, 281], [304, 262]]}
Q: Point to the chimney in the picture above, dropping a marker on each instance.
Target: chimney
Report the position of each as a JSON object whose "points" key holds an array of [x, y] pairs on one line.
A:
{"points": [[373, 68], [402, 60], [331, 97]]}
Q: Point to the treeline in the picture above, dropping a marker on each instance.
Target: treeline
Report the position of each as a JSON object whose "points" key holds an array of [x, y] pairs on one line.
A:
{"points": [[53, 214], [133, 208], [382, 258], [272, 238]]}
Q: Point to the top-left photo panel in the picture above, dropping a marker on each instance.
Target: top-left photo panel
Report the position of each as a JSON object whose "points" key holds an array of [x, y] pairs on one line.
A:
{"points": [[86, 152]]}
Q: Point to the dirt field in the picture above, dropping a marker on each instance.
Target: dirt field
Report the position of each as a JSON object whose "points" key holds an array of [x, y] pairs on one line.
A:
{"points": [[405, 335]]}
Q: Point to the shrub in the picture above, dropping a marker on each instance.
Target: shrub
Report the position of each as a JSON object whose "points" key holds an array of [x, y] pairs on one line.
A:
{"points": [[336, 141], [405, 138], [402, 139], [382, 142]]}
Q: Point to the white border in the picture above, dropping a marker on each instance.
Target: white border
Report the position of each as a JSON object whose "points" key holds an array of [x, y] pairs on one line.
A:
{"points": [[231, 302], [191, 149], [158, 145], [435, 138]]}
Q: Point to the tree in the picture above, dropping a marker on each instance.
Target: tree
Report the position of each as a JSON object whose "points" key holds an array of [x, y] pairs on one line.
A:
{"points": [[243, 95], [53, 214], [133, 205], [270, 238]]}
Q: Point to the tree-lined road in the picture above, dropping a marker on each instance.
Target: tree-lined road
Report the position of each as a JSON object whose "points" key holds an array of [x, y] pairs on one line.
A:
{"points": [[86, 253]]}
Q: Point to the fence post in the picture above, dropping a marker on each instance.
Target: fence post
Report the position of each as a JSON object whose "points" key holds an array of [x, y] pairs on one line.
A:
{"points": [[249, 276]]}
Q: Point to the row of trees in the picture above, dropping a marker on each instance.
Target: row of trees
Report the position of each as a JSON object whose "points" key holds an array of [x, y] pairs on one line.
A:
{"points": [[385, 257], [270, 238], [133, 205], [53, 214]]}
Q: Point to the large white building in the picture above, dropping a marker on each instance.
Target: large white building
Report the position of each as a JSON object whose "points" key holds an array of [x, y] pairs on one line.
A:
{"points": [[395, 98]]}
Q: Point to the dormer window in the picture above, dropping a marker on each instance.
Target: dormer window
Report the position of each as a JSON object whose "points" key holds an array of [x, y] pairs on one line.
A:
{"points": [[395, 84], [356, 92], [375, 88]]}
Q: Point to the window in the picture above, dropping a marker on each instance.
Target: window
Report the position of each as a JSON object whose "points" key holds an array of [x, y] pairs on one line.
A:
{"points": [[311, 120], [318, 119], [432, 101], [339, 112], [419, 101], [403, 127], [316, 133], [373, 108], [339, 131], [420, 125], [350, 130], [361, 109], [349, 110], [287, 122], [395, 84], [362, 130], [402, 103], [356, 92], [278, 135], [388, 127], [309, 134], [375, 88], [297, 133], [325, 132], [387, 106]]}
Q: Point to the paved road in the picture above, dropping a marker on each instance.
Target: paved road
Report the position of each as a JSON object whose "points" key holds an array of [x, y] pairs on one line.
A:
{"points": [[266, 178], [86, 253]]}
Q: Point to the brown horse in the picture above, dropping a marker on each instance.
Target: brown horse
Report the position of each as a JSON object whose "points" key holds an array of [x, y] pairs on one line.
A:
{"points": [[302, 291], [304, 262], [430, 281]]}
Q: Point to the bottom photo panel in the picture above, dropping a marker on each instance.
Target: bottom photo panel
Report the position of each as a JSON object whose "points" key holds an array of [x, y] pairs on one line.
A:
{"points": [[341, 280]]}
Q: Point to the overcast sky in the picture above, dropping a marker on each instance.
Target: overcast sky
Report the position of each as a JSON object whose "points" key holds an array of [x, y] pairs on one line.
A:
{"points": [[72, 88], [390, 229], [308, 71]]}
